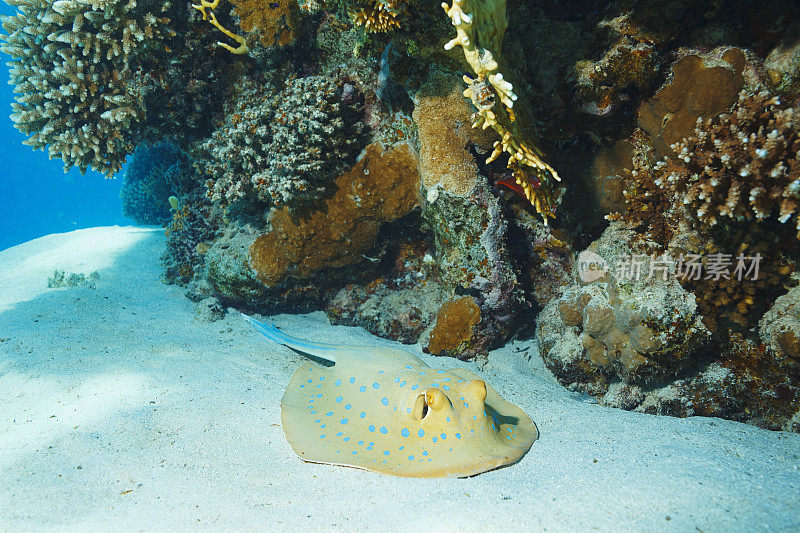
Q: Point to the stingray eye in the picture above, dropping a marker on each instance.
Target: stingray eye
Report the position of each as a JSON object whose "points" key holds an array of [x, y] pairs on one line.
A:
{"points": [[477, 389], [435, 399], [420, 408]]}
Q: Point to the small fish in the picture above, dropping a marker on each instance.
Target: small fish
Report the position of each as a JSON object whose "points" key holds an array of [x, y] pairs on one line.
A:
{"points": [[385, 410]]}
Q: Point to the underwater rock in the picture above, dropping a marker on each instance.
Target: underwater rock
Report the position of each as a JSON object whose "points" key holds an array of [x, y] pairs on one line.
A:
{"points": [[401, 304], [641, 329], [783, 66], [400, 314], [209, 310]]}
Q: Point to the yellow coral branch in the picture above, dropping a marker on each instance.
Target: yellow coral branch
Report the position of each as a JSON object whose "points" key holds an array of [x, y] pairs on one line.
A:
{"points": [[480, 26], [212, 18]]}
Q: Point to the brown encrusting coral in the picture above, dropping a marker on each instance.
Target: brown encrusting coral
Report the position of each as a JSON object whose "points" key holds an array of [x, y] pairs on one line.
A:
{"points": [[381, 187], [455, 326], [700, 87]]}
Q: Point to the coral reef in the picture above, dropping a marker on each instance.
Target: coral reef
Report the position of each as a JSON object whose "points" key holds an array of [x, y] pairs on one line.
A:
{"points": [[695, 91], [641, 329], [71, 64], [455, 327], [742, 165], [480, 26], [379, 15], [153, 175], [283, 147], [61, 279], [189, 234], [402, 303], [381, 187]]}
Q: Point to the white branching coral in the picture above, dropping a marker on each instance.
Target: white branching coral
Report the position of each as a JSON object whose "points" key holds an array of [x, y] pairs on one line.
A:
{"points": [[71, 64]]}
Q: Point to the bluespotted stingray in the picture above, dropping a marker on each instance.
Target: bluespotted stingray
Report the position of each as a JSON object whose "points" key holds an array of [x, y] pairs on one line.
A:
{"points": [[385, 410]]}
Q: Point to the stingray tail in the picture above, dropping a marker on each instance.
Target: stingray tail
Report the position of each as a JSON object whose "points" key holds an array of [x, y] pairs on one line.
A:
{"points": [[316, 349]]}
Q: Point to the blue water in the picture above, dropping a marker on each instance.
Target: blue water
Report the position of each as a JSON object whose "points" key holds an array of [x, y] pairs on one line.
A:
{"points": [[36, 197]]}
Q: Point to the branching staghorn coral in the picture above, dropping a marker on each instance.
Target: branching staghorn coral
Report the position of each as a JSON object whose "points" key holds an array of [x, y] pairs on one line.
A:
{"points": [[480, 26], [742, 165], [286, 146], [71, 64]]}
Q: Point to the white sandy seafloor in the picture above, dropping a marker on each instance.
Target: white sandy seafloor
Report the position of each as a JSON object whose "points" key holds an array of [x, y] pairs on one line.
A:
{"points": [[119, 410]]}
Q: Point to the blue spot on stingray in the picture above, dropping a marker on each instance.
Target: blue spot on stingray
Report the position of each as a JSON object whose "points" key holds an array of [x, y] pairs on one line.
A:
{"points": [[322, 378], [509, 437], [347, 406], [410, 457], [421, 433], [313, 412], [329, 413], [466, 404], [414, 387], [337, 382], [434, 384], [354, 452], [302, 386], [445, 387], [405, 432], [384, 461], [425, 453], [384, 430], [386, 452], [343, 421], [445, 379], [362, 388], [409, 367], [320, 385], [435, 439], [440, 371], [401, 447], [448, 419], [323, 426], [444, 436], [317, 421], [403, 384], [385, 401], [376, 386], [408, 410], [363, 414], [371, 427], [458, 435], [322, 436], [339, 399], [345, 439], [339, 434], [319, 395], [397, 380], [474, 417], [361, 443], [309, 381], [352, 380], [381, 372]]}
